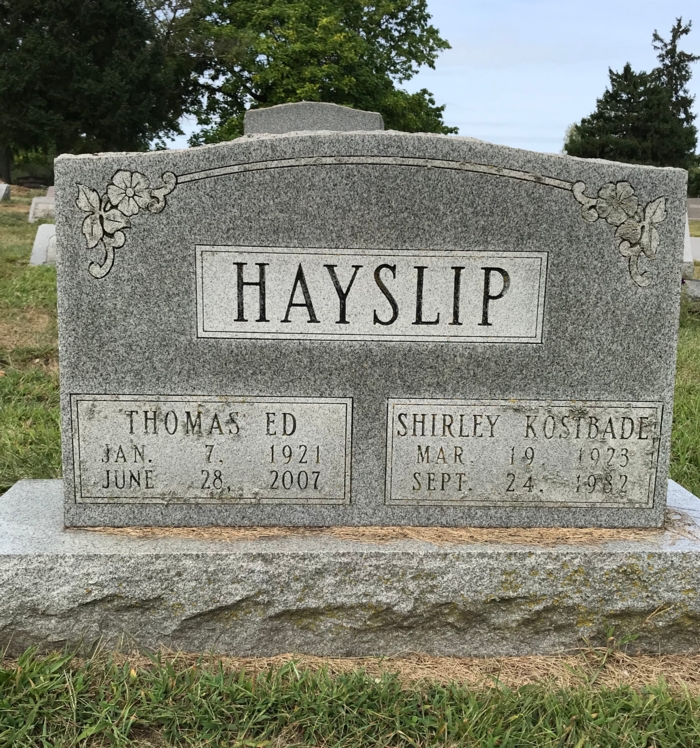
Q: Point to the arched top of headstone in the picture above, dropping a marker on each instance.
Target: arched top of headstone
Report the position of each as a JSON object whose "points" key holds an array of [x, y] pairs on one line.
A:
{"points": [[309, 115]]}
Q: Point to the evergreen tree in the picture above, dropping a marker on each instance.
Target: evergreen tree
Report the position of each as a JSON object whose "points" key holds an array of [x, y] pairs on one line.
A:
{"points": [[674, 70], [643, 118]]}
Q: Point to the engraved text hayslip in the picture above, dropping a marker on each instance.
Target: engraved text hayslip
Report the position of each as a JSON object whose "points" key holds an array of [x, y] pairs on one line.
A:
{"points": [[205, 449], [331, 294], [522, 453]]}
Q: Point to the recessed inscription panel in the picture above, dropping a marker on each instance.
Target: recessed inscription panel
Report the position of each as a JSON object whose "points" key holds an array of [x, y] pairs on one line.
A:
{"points": [[331, 294], [205, 449], [522, 453]]}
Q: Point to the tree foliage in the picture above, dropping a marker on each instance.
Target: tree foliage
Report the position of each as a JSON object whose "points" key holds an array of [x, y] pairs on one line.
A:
{"points": [[263, 52], [86, 75], [643, 118], [102, 75]]}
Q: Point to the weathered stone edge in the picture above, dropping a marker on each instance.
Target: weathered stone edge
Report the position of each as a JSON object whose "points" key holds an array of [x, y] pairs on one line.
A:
{"points": [[330, 597]]}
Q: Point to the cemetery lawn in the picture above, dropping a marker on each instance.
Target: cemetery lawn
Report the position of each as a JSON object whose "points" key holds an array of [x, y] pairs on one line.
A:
{"points": [[29, 420], [60, 701]]}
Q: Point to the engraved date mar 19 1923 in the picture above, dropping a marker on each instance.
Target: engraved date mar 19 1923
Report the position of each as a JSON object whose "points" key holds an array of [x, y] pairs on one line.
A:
{"points": [[522, 453]]}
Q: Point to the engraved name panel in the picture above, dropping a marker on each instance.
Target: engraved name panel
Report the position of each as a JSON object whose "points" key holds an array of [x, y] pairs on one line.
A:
{"points": [[333, 294], [205, 449], [522, 453]]}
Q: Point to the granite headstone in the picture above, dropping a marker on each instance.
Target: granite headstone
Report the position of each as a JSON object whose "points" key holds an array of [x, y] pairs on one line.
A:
{"points": [[4, 193], [368, 327], [309, 115]]}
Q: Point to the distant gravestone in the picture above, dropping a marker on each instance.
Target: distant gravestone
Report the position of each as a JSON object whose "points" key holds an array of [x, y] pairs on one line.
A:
{"points": [[42, 207], [694, 208], [4, 193], [51, 192], [366, 328], [688, 267], [44, 249], [309, 115], [695, 248], [692, 288]]}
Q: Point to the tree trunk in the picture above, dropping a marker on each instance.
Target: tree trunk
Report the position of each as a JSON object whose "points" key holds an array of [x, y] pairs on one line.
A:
{"points": [[5, 163]]}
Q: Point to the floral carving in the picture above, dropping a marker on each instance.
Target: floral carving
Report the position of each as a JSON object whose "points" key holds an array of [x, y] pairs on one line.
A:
{"points": [[109, 214], [130, 193], [635, 225]]}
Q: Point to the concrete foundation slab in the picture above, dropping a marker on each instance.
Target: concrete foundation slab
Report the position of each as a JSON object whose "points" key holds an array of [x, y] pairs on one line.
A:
{"points": [[317, 593]]}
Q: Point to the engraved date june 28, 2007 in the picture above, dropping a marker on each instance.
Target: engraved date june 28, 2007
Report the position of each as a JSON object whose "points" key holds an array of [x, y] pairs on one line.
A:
{"points": [[522, 453], [203, 449]]}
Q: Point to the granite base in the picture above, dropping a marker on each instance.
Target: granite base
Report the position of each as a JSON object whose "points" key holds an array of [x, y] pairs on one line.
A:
{"points": [[322, 595]]}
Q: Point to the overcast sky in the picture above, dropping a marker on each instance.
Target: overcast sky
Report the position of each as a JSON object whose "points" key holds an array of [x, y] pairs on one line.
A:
{"points": [[520, 71]]}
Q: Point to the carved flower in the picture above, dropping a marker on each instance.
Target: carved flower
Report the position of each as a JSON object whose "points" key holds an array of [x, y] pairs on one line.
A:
{"points": [[129, 192], [101, 219], [616, 202]]}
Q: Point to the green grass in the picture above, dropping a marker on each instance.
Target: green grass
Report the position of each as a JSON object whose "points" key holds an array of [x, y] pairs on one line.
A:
{"points": [[29, 416], [685, 438], [694, 228], [55, 701]]}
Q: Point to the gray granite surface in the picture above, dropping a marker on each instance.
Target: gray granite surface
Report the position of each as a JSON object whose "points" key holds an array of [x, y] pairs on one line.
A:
{"points": [[486, 334], [44, 248], [309, 115], [326, 596], [4, 192]]}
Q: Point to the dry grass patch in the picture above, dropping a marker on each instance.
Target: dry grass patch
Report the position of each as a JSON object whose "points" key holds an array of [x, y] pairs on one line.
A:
{"points": [[677, 525], [599, 667], [27, 328], [603, 668]]}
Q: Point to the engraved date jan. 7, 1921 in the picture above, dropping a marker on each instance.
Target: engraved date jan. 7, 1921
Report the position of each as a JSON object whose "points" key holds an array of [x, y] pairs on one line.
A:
{"points": [[175, 449]]}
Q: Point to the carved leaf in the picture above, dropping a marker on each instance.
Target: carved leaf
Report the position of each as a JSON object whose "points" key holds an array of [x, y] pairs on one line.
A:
{"points": [[92, 229], [655, 212], [650, 242], [88, 200], [114, 221]]}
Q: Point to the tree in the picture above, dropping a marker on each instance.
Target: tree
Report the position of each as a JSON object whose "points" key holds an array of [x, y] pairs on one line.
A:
{"points": [[643, 118], [86, 75], [634, 122], [264, 52], [674, 70]]}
